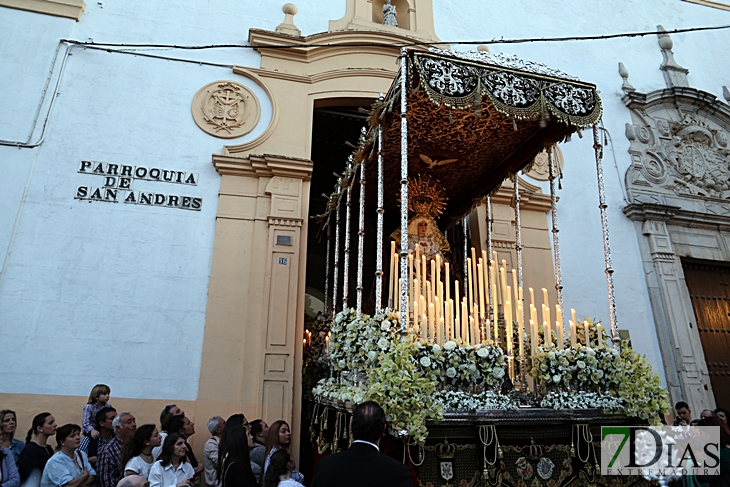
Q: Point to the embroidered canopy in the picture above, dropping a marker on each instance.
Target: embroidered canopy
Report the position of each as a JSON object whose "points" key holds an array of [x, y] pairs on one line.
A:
{"points": [[473, 119]]}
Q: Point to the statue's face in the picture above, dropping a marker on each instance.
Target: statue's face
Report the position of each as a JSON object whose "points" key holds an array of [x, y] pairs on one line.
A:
{"points": [[422, 228]]}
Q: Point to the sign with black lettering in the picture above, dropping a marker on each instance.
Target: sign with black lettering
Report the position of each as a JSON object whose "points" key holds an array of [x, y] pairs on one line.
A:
{"points": [[116, 185]]}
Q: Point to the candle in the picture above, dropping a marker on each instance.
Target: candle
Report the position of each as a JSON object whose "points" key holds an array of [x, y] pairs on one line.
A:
{"points": [[448, 281], [469, 281], [472, 339], [424, 320], [452, 319], [514, 286], [508, 326], [327, 342], [548, 336], [397, 300], [440, 332], [543, 316], [447, 320], [475, 324], [434, 279], [480, 278], [415, 319], [424, 273], [560, 335], [588, 336], [487, 328], [545, 297], [464, 321], [456, 300], [560, 325], [503, 283], [438, 268], [474, 274], [429, 296], [572, 333], [532, 297], [418, 267], [493, 284], [547, 315], [533, 313], [598, 332], [534, 337], [521, 330], [474, 332], [431, 322], [495, 317], [416, 287]]}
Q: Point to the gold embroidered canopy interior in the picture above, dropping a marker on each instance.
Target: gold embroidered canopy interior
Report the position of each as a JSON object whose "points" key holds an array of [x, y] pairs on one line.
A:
{"points": [[473, 119]]}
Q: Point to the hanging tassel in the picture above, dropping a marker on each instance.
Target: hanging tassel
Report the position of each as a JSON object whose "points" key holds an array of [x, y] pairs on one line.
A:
{"points": [[514, 125]]}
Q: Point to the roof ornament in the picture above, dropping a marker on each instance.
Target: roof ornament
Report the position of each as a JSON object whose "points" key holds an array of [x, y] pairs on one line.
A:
{"points": [[674, 74], [626, 86], [288, 27]]}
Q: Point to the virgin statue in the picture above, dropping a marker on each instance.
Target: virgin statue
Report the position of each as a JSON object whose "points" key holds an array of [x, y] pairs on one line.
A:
{"points": [[424, 237]]}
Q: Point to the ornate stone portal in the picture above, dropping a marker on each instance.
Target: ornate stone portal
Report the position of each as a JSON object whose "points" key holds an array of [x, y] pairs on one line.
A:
{"points": [[679, 179]]}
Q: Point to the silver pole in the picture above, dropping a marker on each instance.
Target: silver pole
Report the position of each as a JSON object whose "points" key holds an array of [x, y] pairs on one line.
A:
{"points": [[555, 230], [348, 211], [606, 239], [464, 222], [327, 269], [361, 237], [492, 304], [335, 279], [403, 191], [518, 249], [381, 211]]}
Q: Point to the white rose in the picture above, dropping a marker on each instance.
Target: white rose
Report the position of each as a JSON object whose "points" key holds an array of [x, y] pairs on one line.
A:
{"points": [[383, 344], [551, 355], [482, 352], [385, 326], [372, 354], [450, 372], [341, 364], [556, 378], [498, 372], [450, 345], [435, 348], [425, 361]]}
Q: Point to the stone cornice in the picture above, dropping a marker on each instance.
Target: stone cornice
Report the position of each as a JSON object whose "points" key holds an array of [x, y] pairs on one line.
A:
{"points": [[676, 216], [326, 44], [318, 77], [71, 9], [263, 166], [678, 95]]}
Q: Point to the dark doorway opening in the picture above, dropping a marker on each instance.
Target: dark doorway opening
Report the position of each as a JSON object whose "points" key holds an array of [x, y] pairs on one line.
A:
{"points": [[709, 289]]}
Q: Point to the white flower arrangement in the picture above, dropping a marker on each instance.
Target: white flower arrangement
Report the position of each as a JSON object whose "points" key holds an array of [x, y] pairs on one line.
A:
{"points": [[458, 401], [461, 365], [586, 400], [357, 341], [581, 368]]}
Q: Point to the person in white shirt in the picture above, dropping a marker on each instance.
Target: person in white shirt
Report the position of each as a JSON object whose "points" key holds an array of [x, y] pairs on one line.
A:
{"points": [[279, 473], [172, 470], [210, 450], [137, 455]]}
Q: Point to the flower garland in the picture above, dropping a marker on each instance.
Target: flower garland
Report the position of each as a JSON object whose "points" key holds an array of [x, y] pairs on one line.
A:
{"points": [[586, 400], [460, 401], [639, 387]]}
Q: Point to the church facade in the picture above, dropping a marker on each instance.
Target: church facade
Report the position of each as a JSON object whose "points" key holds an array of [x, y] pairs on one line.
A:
{"points": [[160, 174]]}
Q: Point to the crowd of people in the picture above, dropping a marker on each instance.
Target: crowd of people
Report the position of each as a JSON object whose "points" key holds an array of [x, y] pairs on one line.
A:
{"points": [[108, 449]]}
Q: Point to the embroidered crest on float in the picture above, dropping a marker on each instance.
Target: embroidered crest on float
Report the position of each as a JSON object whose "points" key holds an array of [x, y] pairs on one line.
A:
{"points": [[226, 109]]}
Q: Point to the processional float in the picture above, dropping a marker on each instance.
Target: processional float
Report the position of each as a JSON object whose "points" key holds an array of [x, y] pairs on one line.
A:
{"points": [[451, 129]]}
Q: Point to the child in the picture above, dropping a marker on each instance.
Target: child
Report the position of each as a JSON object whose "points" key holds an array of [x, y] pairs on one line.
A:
{"points": [[279, 473], [98, 399]]}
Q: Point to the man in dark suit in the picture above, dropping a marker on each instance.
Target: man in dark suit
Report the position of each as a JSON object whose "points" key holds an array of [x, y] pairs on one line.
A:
{"points": [[362, 465]]}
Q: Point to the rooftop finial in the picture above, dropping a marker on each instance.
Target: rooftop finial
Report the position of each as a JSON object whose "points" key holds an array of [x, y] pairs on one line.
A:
{"points": [[626, 86], [288, 27], [674, 74], [726, 93]]}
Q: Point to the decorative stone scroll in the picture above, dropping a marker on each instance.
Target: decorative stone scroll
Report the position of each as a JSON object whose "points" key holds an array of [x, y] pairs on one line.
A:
{"points": [[226, 109], [521, 94]]}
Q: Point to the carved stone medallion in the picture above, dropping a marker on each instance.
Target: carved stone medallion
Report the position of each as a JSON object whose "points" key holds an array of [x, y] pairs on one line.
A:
{"points": [[540, 170], [226, 109]]}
